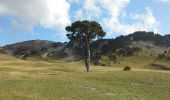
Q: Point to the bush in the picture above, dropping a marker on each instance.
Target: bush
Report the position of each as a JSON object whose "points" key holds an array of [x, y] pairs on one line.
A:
{"points": [[103, 64], [127, 68]]}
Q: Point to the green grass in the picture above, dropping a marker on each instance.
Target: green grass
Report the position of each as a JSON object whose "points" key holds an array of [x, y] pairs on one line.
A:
{"points": [[60, 80], [142, 60]]}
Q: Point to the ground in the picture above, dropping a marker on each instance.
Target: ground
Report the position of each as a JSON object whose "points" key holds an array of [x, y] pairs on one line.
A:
{"points": [[60, 80]]}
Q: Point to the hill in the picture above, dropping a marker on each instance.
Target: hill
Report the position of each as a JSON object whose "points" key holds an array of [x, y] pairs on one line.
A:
{"points": [[72, 50], [156, 39], [56, 78], [42, 80], [32, 48], [4, 51], [149, 39]]}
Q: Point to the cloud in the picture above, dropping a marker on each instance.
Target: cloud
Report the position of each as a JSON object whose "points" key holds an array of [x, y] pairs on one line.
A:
{"points": [[164, 0], [93, 9], [26, 14], [110, 12], [141, 22]]}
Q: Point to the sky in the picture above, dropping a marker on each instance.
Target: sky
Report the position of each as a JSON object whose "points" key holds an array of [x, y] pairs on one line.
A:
{"points": [[22, 20]]}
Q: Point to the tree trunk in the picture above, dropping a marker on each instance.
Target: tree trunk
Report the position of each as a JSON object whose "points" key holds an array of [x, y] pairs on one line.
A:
{"points": [[88, 61], [87, 58]]}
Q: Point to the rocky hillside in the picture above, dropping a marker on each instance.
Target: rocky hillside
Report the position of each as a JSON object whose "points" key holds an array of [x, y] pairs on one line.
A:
{"points": [[156, 39], [148, 39], [72, 50], [32, 47]]}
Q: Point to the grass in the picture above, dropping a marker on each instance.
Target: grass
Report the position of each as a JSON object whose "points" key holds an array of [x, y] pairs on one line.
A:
{"points": [[142, 60], [60, 80]]}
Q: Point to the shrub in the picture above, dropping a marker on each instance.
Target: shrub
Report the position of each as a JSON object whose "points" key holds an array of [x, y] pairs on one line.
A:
{"points": [[103, 64], [127, 68]]}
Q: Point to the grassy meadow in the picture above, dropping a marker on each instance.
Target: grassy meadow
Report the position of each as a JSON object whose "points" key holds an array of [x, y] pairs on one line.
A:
{"points": [[60, 80]]}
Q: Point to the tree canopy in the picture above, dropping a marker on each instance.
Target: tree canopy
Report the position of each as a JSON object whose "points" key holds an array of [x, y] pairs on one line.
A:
{"points": [[84, 32]]}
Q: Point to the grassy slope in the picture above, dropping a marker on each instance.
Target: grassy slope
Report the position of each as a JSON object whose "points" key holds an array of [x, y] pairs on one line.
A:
{"points": [[141, 61], [39, 80]]}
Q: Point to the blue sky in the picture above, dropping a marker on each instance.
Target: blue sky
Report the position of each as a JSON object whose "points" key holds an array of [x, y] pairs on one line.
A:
{"points": [[22, 20]]}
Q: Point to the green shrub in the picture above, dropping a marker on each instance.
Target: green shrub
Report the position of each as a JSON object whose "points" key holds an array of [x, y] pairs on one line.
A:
{"points": [[127, 68]]}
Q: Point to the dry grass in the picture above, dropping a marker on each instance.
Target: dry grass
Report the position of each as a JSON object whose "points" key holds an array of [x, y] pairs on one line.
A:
{"points": [[60, 80]]}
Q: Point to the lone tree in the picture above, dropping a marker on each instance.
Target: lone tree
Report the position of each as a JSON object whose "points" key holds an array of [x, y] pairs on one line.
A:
{"points": [[84, 32]]}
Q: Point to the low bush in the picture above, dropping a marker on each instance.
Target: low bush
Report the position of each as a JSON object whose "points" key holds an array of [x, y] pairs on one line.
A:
{"points": [[127, 68]]}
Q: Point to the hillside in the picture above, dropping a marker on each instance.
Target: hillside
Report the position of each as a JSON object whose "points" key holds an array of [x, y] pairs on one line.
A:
{"points": [[41, 80], [149, 39], [71, 51], [32, 47], [4, 51], [46, 74], [156, 39]]}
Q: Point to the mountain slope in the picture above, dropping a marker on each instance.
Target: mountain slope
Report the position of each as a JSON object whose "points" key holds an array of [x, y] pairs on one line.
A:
{"points": [[73, 50], [4, 51], [32, 47]]}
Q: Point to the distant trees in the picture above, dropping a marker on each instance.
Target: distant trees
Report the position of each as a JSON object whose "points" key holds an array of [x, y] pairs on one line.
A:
{"points": [[121, 41], [142, 36], [136, 49], [151, 37], [112, 57], [120, 52], [84, 32], [165, 55], [96, 57], [125, 51], [128, 51]]}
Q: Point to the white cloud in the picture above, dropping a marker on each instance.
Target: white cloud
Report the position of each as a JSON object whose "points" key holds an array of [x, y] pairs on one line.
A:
{"points": [[142, 22], [112, 11], [26, 14], [54, 14], [95, 8], [164, 0], [92, 8]]}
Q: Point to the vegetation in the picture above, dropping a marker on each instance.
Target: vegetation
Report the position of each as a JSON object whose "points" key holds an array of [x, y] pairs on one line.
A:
{"points": [[84, 32], [3, 51], [150, 36], [127, 68], [165, 55], [39, 80], [72, 50], [56, 78], [123, 52], [50, 70]]}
